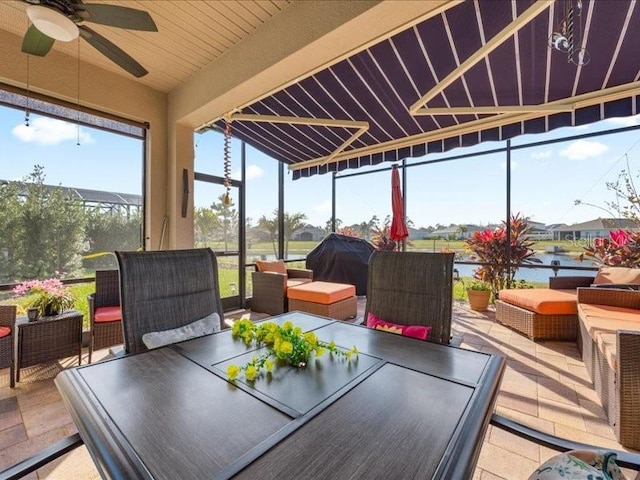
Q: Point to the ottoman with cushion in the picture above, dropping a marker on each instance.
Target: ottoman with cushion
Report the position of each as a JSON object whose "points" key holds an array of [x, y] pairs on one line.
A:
{"points": [[539, 313], [333, 300], [552, 313]]}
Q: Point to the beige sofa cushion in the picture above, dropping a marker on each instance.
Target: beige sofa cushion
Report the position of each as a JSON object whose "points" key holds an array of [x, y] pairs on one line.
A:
{"points": [[603, 321], [607, 343], [617, 275]]}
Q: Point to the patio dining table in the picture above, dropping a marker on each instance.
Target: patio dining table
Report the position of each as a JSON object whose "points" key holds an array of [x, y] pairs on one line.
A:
{"points": [[404, 408]]}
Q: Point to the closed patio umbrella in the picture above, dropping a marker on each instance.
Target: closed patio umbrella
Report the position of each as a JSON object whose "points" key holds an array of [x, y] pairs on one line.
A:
{"points": [[398, 231]]}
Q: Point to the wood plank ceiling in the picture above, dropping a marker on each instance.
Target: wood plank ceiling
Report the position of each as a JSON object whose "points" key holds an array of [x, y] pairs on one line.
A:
{"points": [[191, 34]]}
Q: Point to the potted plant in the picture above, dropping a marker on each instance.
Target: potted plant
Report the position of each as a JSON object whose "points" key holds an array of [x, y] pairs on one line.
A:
{"points": [[478, 294], [49, 297], [490, 249]]}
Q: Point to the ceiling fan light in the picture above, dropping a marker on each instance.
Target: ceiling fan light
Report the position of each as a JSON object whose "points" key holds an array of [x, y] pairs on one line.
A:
{"points": [[52, 23]]}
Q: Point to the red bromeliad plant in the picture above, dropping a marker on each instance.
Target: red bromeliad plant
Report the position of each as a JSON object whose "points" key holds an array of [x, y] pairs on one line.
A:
{"points": [[490, 246], [381, 239], [348, 231], [622, 249]]}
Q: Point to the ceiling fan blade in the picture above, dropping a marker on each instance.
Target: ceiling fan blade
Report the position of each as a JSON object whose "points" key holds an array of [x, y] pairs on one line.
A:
{"points": [[112, 52], [36, 43], [117, 16]]}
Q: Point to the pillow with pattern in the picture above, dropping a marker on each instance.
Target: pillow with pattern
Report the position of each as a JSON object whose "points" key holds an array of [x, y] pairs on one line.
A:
{"points": [[420, 332]]}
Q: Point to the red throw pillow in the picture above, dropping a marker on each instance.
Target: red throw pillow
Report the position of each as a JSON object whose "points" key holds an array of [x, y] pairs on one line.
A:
{"points": [[420, 332]]}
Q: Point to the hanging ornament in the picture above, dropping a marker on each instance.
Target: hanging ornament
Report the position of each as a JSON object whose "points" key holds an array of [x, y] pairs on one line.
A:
{"points": [[227, 163], [26, 109]]}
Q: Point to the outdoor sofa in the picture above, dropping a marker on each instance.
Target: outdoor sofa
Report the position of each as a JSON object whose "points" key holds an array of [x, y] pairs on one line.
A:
{"points": [[609, 342], [603, 315]]}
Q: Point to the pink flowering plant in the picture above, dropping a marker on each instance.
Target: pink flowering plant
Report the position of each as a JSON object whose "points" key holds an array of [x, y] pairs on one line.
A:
{"points": [[621, 249], [490, 248], [49, 296]]}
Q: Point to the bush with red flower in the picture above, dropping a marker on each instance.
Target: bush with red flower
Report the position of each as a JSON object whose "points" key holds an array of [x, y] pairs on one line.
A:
{"points": [[490, 248], [621, 249]]}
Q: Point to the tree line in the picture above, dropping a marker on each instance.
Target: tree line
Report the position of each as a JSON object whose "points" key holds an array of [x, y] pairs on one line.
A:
{"points": [[47, 232]]}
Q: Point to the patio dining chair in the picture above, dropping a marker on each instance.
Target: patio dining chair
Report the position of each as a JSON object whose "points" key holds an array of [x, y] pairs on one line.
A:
{"points": [[105, 315], [7, 328], [164, 290], [412, 288]]}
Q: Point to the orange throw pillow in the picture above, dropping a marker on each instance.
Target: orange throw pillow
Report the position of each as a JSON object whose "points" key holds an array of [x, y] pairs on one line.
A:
{"points": [[275, 266]]}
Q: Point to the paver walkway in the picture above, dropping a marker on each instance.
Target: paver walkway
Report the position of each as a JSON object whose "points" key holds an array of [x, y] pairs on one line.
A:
{"points": [[545, 386]]}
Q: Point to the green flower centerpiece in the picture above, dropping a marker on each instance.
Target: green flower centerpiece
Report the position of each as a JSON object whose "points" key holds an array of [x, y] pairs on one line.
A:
{"points": [[285, 343]]}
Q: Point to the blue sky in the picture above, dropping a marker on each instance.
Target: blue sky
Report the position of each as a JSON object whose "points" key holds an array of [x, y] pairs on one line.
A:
{"points": [[546, 180]]}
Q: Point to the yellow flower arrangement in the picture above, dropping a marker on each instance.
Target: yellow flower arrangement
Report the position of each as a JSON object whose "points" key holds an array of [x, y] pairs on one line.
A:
{"points": [[285, 343]]}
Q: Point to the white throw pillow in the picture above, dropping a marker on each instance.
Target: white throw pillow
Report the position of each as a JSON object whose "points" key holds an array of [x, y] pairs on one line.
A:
{"points": [[204, 326]]}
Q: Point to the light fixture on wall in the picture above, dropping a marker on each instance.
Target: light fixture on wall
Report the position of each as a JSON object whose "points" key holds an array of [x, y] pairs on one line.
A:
{"points": [[567, 35], [52, 23]]}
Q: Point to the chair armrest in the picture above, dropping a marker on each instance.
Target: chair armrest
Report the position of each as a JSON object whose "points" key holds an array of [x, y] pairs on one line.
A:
{"points": [[43, 457], [269, 278], [624, 459], [91, 300], [609, 296], [269, 292], [567, 283], [299, 273]]}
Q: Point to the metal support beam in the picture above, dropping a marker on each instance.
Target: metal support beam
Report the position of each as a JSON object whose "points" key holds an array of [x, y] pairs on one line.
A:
{"points": [[242, 229], [333, 202], [505, 34], [280, 210], [508, 221], [404, 199]]}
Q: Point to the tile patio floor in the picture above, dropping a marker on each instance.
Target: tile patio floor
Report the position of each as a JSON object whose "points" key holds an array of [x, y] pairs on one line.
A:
{"points": [[545, 386]]}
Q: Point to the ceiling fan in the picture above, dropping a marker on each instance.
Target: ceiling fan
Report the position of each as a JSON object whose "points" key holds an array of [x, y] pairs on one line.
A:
{"points": [[64, 20]]}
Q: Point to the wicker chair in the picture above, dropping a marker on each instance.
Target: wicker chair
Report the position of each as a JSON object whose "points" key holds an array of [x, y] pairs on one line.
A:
{"points": [[107, 333], [270, 289], [8, 320], [412, 288], [166, 289]]}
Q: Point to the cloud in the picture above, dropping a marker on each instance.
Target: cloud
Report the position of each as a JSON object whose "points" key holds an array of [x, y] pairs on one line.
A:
{"points": [[253, 172], [582, 149], [624, 121], [543, 154], [324, 207], [514, 165], [49, 131]]}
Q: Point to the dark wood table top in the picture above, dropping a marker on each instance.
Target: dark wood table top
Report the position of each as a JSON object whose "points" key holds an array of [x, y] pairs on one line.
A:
{"points": [[403, 409]]}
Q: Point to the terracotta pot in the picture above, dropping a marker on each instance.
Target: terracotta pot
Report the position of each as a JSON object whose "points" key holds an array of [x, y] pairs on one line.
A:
{"points": [[478, 300]]}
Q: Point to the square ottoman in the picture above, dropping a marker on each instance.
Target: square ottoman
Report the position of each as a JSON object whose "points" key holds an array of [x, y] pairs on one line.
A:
{"points": [[333, 300], [539, 313]]}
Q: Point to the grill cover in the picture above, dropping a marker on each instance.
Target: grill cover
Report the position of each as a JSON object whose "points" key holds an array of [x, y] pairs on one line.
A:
{"points": [[341, 259]]}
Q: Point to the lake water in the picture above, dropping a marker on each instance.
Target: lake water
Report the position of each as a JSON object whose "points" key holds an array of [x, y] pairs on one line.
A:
{"points": [[540, 274], [528, 274]]}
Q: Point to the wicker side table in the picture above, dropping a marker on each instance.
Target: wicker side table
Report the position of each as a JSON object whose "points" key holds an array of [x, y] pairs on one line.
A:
{"points": [[48, 339]]}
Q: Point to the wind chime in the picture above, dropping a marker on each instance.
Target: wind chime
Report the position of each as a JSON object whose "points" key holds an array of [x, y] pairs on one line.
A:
{"points": [[227, 163], [567, 36]]}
